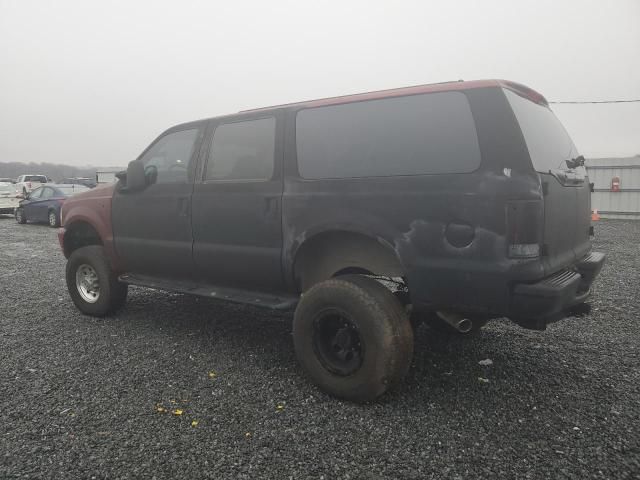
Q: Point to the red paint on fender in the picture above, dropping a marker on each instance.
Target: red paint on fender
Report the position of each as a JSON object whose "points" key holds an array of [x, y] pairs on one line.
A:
{"points": [[94, 208]]}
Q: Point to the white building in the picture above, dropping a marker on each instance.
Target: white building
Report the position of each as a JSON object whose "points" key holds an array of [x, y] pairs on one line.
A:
{"points": [[616, 186]]}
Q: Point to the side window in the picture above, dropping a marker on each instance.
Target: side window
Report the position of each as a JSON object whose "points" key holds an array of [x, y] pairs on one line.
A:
{"points": [[46, 193], [35, 194], [242, 151], [414, 135], [168, 159]]}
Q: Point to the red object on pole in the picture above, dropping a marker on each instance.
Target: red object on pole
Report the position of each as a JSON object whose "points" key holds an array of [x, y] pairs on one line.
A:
{"points": [[615, 184]]}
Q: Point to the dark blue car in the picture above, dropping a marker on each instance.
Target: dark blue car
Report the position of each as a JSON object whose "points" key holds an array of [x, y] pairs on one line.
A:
{"points": [[44, 203]]}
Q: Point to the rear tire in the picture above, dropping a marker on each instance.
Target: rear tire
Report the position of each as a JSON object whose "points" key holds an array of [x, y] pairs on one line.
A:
{"points": [[353, 337], [20, 218], [54, 220], [92, 284]]}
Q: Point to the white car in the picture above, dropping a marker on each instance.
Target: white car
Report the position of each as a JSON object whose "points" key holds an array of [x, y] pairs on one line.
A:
{"points": [[8, 198], [26, 183]]}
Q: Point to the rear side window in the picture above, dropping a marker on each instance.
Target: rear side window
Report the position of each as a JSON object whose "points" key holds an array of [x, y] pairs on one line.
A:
{"points": [[242, 151], [420, 134], [47, 193], [70, 190], [548, 142]]}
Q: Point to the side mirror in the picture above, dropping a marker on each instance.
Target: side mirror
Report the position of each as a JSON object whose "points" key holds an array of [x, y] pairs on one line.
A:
{"points": [[134, 179]]}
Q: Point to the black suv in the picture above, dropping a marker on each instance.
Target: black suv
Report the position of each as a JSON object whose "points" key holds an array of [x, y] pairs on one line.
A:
{"points": [[451, 203]]}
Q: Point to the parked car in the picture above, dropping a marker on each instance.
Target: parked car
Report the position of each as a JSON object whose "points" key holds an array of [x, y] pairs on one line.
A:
{"points": [[8, 198], [87, 182], [469, 197], [44, 203], [26, 183], [107, 176]]}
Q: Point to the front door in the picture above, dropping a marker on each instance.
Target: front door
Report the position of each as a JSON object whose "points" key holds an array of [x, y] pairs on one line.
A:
{"points": [[152, 227], [31, 206], [237, 201]]}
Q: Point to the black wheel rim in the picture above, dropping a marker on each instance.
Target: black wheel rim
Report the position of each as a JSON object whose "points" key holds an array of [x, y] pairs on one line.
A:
{"points": [[337, 343]]}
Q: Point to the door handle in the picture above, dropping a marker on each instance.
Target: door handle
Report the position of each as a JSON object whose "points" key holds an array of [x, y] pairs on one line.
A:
{"points": [[270, 206], [183, 206]]}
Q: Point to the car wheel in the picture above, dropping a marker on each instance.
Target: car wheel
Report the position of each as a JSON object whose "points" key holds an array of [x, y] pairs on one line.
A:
{"points": [[54, 221], [352, 337], [20, 218], [92, 284]]}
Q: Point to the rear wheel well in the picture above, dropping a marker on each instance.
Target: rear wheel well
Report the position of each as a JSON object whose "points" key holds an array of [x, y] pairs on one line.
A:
{"points": [[78, 235], [336, 253]]}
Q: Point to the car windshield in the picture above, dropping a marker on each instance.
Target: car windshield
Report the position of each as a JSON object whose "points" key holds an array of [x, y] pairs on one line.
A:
{"points": [[35, 178], [6, 188], [72, 189]]}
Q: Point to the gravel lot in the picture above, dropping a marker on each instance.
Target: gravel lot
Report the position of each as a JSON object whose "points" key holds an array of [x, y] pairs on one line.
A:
{"points": [[80, 397]]}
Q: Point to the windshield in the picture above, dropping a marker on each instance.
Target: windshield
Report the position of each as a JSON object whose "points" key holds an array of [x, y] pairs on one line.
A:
{"points": [[71, 189], [35, 178], [548, 142], [6, 188]]}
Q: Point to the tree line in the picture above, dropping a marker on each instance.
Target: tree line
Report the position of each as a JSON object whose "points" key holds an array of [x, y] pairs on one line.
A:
{"points": [[54, 171]]}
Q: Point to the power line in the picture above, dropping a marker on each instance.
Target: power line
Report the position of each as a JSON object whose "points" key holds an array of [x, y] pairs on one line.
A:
{"points": [[603, 101]]}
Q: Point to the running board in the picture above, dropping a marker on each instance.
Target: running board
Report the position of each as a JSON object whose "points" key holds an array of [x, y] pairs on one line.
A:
{"points": [[260, 299]]}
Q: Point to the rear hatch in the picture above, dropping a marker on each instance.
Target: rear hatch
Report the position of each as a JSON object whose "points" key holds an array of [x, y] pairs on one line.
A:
{"points": [[567, 195]]}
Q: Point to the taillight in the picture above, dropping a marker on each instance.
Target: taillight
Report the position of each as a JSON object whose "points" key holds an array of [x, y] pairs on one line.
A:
{"points": [[524, 228], [29, 185]]}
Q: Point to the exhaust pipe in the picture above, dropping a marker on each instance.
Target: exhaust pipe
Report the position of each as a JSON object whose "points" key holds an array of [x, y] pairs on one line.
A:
{"points": [[456, 321]]}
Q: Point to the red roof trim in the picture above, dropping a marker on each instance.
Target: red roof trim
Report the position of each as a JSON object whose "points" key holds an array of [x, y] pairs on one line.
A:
{"points": [[415, 90]]}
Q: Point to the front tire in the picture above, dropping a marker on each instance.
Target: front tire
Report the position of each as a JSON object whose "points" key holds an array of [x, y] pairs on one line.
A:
{"points": [[92, 284], [352, 337], [20, 218], [54, 219]]}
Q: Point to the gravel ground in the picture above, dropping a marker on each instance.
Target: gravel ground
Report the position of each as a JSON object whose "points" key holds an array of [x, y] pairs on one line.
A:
{"points": [[83, 398]]}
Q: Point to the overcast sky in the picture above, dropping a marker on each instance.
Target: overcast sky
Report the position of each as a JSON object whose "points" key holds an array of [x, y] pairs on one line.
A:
{"points": [[93, 82]]}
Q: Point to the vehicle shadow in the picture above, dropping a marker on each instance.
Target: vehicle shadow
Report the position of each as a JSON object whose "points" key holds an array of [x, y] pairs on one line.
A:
{"points": [[444, 367]]}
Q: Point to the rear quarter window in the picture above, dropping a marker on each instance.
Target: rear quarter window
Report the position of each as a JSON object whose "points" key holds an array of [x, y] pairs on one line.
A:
{"points": [[414, 135]]}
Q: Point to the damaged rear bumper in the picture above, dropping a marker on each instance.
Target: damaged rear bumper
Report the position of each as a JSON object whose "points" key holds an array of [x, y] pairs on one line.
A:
{"points": [[534, 305]]}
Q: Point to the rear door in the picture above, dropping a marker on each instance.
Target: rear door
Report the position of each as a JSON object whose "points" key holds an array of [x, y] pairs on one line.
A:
{"points": [[237, 202], [566, 190]]}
